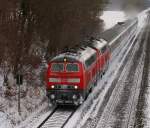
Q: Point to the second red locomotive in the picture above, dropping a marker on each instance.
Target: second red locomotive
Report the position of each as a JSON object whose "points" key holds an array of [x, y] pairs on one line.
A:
{"points": [[73, 74]]}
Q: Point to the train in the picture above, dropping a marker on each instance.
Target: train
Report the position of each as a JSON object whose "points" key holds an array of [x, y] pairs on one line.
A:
{"points": [[72, 75]]}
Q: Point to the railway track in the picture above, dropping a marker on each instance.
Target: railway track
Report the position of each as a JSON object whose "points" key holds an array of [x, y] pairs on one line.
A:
{"points": [[142, 101], [63, 115], [115, 89], [121, 107], [58, 117], [140, 80]]}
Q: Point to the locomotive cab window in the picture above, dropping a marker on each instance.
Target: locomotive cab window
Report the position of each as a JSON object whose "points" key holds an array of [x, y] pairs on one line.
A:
{"points": [[57, 67], [90, 61], [72, 67], [103, 50]]}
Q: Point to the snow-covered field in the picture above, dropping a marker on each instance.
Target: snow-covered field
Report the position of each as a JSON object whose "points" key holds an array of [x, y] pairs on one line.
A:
{"points": [[33, 99]]}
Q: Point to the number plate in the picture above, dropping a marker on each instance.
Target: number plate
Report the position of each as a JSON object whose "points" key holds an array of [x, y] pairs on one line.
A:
{"points": [[63, 79]]}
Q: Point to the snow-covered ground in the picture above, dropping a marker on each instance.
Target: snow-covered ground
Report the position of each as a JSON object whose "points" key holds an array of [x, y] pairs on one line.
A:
{"points": [[112, 17], [5, 121], [33, 99], [147, 109]]}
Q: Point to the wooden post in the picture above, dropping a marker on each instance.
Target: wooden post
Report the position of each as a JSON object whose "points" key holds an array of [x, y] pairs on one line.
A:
{"points": [[19, 81]]}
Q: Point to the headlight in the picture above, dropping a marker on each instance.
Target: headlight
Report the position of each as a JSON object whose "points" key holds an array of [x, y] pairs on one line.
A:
{"points": [[52, 86], [76, 87], [54, 80], [74, 80]]}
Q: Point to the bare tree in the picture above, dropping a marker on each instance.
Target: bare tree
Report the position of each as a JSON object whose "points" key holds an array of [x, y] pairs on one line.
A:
{"points": [[16, 31], [67, 22]]}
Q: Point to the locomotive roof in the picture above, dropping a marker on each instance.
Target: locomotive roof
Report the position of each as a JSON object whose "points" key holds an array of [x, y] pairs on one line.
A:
{"points": [[81, 55], [99, 43]]}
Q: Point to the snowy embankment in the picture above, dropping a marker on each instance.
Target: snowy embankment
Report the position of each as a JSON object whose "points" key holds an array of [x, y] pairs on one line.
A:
{"points": [[33, 98], [147, 109], [144, 111], [145, 118], [5, 121]]}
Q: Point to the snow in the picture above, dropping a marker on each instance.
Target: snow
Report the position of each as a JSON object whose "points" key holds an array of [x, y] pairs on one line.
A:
{"points": [[112, 17], [1, 81], [33, 98], [39, 120], [147, 109], [116, 38], [142, 16], [147, 112], [5, 121], [34, 120]]}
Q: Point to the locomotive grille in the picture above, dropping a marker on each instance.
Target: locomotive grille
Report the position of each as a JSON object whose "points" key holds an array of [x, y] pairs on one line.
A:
{"points": [[64, 87]]}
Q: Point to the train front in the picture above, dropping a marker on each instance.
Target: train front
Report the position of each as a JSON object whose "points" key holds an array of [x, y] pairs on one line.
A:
{"points": [[65, 82]]}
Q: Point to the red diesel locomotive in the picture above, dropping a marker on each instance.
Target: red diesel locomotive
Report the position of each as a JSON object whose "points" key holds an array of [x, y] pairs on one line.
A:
{"points": [[72, 75]]}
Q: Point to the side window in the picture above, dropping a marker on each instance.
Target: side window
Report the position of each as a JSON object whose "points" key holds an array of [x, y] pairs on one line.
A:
{"points": [[90, 61], [108, 48], [103, 49]]}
